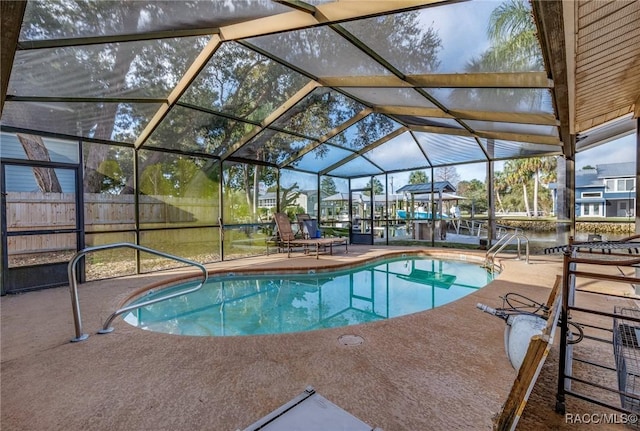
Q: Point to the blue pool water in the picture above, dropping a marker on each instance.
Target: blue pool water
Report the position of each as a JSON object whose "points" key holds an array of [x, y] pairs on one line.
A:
{"points": [[251, 305]]}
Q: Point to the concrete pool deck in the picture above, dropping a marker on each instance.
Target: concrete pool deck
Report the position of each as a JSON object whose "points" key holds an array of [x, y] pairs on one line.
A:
{"points": [[440, 369]]}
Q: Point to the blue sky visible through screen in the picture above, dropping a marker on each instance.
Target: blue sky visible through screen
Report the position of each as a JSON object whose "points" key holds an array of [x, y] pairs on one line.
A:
{"points": [[617, 151]]}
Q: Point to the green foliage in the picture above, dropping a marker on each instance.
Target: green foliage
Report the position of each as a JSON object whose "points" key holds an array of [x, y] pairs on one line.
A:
{"points": [[513, 35], [476, 193], [514, 48], [327, 187], [113, 178], [289, 196], [525, 178], [418, 177], [378, 188], [291, 211], [178, 176]]}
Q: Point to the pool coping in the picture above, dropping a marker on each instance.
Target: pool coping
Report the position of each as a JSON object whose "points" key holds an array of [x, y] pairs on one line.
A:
{"points": [[458, 256]]}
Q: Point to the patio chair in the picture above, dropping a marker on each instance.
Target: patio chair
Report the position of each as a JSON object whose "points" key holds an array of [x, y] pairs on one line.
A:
{"points": [[288, 240], [308, 226]]}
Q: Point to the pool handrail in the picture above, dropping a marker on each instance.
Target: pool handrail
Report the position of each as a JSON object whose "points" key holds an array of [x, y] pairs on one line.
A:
{"points": [[505, 240], [73, 286]]}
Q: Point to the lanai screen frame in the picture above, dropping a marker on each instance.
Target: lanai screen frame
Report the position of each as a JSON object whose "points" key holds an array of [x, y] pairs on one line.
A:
{"points": [[424, 120]]}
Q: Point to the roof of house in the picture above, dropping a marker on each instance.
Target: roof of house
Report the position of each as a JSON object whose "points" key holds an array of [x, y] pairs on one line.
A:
{"points": [[611, 170], [588, 178], [357, 196], [593, 177]]}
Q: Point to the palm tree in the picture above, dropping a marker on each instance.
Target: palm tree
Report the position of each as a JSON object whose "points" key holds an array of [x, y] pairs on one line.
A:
{"points": [[523, 171], [500, 186], [513, 35], [516, 174], [540, 168], [515, 47]]}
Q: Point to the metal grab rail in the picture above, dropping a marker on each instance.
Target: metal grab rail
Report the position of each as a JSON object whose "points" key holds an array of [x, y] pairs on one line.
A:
{"points": [[489, 259], [73, 286]]}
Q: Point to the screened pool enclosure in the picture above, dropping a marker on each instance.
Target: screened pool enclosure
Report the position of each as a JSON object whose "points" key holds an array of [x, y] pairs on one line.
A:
{"points": [[183, 125]]}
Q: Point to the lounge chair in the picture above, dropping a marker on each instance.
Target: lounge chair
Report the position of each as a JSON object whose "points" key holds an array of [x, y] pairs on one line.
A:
{"points": [[308, 226], [288, 240]]}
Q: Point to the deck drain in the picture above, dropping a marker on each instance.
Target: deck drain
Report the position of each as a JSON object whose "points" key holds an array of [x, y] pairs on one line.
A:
{"points": [[350, 340]]}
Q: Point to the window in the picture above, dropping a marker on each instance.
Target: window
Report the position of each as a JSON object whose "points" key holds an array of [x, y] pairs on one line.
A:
{"points": [[620, 185], [609, 185], [591, 194], [625, 184]]}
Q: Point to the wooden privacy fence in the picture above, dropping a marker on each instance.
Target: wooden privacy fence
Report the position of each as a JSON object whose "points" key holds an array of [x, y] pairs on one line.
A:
{"points": [[29, 211]]}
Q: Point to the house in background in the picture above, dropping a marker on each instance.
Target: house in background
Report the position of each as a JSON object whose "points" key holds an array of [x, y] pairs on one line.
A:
{"points": [[606, 191], [269, 200]]}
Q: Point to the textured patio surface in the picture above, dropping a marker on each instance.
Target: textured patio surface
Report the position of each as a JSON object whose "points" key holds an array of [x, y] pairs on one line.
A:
{"points": [[440, 369]]}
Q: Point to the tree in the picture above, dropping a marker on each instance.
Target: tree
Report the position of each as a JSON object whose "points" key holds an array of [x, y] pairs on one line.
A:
{"points": [[323, 110], [500, 187], [113, 179], [529, 173], [475, 192], [516, 174], [447, 173], [327, 187], [35, 149], [513, 35], [237, 80], [377, 187], [153, 181], [418, 177], [540, 168], [115, 69], [288, 198]]}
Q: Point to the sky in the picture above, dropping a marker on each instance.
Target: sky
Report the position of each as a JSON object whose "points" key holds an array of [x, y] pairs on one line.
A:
{"points": [[619, 150], [616, 151], [456, 25]]}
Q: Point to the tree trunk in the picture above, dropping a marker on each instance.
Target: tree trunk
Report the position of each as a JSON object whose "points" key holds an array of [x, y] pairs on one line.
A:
{"points": [[526, 199], [45, 177], [247, 188], [499, 201], [97, 153], [536, 182], [256, 185]]}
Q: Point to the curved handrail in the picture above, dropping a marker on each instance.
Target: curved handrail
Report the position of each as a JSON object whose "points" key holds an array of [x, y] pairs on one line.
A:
{"points": [[73, 285], [502, 243]]}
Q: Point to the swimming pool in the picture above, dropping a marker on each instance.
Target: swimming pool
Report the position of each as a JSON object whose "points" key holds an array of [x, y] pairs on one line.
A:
{"points": [[266, 304]]}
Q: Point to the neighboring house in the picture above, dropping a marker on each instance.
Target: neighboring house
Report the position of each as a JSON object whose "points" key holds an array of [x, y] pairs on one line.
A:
{"points": [[606, 191], [337, 205], [268, 200]]}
